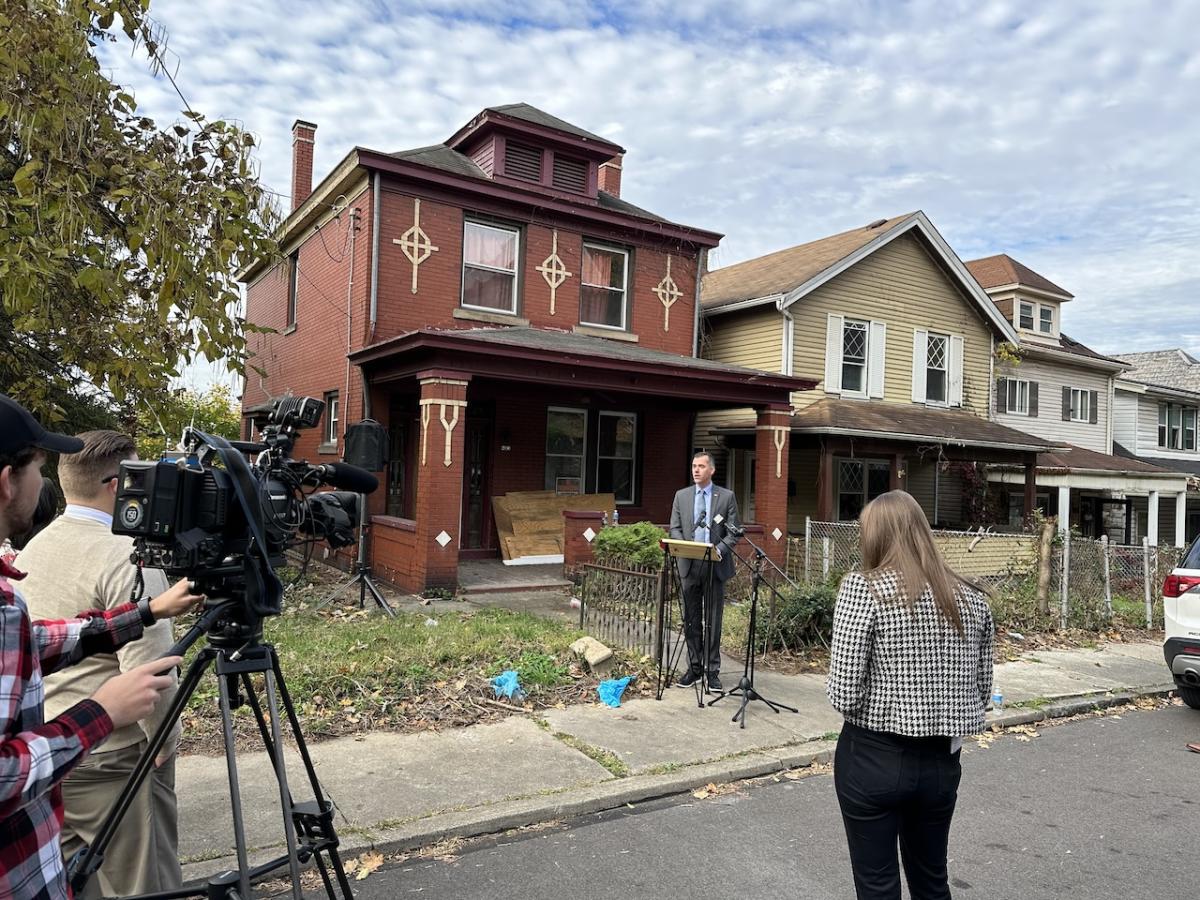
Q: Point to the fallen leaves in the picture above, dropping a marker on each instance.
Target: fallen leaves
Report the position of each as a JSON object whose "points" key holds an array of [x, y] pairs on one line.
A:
{"points": [[714, 790]]}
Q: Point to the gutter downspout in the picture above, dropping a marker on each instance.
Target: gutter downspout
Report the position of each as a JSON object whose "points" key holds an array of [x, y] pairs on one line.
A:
{"points": [[787, 363], [375, 205]]}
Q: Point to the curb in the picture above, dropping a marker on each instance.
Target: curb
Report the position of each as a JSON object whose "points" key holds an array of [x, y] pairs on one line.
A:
{"points": [[591, 799]]}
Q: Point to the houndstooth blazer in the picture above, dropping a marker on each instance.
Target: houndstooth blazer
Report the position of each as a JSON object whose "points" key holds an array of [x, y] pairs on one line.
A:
{"points": [[907, 671]]}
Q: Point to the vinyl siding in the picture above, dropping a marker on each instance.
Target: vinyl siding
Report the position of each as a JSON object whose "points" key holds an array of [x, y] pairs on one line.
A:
{"points": [[803, 470], [1125, 418], [753, 338], [903, 287], [1051, 379], [1147, 431]]}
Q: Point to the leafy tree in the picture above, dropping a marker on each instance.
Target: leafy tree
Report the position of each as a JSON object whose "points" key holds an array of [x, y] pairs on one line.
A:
{"points": [[160, 424], [118, 240]]}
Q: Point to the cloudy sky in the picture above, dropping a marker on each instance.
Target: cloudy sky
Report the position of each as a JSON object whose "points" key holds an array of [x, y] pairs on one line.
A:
{"points": [[1064, 134]]}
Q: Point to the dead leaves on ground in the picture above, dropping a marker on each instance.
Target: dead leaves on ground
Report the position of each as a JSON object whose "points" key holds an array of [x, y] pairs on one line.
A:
{"points": [[714, 790]]}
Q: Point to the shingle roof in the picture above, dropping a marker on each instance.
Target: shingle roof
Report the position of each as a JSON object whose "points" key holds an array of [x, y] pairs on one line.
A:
{"points": [[538, 117], [1188, 467], [1002, 269], [784, 270], [439, 156], [1080, 460], [1168, 368]]}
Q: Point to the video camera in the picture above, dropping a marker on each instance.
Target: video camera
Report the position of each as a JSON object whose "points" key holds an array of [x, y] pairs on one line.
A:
{"points": [[208, 514]]}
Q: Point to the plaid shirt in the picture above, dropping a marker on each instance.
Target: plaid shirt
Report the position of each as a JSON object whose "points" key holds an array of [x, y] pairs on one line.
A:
{"points": [[907, 671], [35, 756]]}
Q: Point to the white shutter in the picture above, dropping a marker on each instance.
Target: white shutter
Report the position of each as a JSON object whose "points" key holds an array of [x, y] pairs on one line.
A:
{"points": [[876, 347], [955, 370], [833, 354], [920, 360]]}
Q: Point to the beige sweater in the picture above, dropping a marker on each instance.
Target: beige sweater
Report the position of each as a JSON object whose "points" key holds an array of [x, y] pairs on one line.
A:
{"points": [[76, 564]]}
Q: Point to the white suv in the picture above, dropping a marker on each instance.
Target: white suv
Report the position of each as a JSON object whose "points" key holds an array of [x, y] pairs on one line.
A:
{"points": [[1181, 609]]}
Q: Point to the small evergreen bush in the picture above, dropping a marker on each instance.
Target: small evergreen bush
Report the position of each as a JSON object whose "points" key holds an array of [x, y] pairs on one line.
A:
{"points": [[630, 545]]}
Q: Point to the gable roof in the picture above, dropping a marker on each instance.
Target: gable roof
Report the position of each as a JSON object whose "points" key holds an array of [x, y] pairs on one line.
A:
{"points": [[783, 277], [1002, 270], [1173, 368]]}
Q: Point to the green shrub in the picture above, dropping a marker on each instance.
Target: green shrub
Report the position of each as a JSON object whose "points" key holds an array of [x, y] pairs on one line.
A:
{"points": [[629, 545], [803, 617]]}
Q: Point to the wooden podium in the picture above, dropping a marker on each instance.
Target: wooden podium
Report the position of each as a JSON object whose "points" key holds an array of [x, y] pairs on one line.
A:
{"points": [[670, 645]]}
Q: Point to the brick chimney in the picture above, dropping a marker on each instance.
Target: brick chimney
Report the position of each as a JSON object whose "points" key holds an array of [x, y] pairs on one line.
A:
{"points": [[609, 179], [303, 137]]}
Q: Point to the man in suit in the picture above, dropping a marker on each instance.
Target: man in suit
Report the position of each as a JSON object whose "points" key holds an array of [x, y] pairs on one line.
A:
{"points": [[708, 513]]}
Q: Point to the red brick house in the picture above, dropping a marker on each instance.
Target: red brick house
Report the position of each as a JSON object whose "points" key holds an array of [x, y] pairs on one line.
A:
{"points": [[514, 323]]}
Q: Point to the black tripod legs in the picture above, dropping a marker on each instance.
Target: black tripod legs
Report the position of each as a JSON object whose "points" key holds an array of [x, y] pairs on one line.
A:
{"points": [[745, 690]]}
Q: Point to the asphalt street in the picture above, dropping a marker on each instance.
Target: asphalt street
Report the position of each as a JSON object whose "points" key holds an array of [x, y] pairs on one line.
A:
{"points": [[1098, 808]]}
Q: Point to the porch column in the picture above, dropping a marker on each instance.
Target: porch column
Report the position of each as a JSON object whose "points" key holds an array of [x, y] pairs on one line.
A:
{"points": [[1064, 508], [1030, 485], [771, 479], [825, 484], [440, 455], [899, 473], [1152, 518], [1180, 517]]}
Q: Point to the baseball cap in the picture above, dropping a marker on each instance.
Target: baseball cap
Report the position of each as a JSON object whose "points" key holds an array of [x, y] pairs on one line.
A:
{"points": [[18, 428]]}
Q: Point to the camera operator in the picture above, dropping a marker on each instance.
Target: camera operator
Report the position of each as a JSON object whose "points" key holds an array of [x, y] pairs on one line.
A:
{"points": [[78, 560], [36, 755]]}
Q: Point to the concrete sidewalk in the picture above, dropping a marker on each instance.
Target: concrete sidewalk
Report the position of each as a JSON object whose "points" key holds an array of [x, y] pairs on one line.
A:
{"points": [[408, 790]]}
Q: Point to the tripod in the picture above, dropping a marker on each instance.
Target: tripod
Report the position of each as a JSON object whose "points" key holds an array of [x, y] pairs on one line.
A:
{"points": [[308, 827], [362, 570], [745, 686]]}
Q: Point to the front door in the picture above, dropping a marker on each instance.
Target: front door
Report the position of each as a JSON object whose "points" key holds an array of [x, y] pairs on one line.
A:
{"points": [[476, 514]]}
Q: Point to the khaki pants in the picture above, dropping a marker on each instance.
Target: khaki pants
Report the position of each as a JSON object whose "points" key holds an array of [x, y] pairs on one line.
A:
{"points": [[144, 854]]}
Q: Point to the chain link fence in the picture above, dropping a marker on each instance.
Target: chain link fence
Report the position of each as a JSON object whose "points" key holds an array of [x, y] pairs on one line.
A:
{"points": [[1084, 583]]}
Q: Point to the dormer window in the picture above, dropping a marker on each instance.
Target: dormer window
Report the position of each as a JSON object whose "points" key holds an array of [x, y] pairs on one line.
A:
{"points": [[522, 161], [1026, 320], [1046, 319]]}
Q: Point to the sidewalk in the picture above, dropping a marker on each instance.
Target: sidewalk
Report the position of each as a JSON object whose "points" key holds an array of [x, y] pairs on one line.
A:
{"points": [[399, 791]]}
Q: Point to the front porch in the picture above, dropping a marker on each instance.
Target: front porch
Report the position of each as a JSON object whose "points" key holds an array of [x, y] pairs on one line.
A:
{"points": [[473, 414]]}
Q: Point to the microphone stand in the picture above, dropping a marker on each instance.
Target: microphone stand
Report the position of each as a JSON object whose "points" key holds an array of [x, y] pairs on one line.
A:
{"points": [[745, 686]]}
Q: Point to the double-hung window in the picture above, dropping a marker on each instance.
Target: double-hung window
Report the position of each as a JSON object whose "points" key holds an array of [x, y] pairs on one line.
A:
{"points": [[1046, 319], [1025, 319], [607, 465], [854, 357], [1016, 396], [293, 287], [1081, 405], [332, 415], [1177, 426], [489, 279], [937, 353], [603, 292]]}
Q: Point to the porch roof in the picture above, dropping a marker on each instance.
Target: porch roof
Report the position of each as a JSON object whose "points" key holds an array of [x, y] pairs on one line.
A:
{"points": [[551, 357], [1079, 459], [906, 423]]}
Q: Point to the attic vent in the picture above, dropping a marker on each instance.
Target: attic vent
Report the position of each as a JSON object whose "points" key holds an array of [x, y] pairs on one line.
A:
{"points": [[877, 223], [570, 174], [522, 161]]}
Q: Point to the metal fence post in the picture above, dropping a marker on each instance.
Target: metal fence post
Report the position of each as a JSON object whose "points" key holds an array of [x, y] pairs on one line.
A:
{"points": [[1104, 550], [1146, 570], [826, 549], [1065, 582], [807, 545]]}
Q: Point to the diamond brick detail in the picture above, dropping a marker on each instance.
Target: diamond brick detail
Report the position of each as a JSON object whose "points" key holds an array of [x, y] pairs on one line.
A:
{"points": [[777, 534], [443, 539], [589, 535]]}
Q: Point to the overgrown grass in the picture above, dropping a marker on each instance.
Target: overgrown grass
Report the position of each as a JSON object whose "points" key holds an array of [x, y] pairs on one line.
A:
{"points": [[361, 672]]}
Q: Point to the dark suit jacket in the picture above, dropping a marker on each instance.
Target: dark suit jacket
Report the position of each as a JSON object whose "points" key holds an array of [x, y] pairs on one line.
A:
{"points": [[724, 528]]}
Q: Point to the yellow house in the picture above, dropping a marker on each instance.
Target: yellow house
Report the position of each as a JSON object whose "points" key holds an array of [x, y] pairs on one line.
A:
{"points": [[903, 340]]}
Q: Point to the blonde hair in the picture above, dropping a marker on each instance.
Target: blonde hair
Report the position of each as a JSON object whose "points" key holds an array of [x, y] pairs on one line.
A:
{"points": [[81, 474], [895, 538]]}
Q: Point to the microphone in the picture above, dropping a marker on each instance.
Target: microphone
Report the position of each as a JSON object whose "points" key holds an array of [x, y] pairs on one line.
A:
{"points": [[346, 477], [702, 521]]}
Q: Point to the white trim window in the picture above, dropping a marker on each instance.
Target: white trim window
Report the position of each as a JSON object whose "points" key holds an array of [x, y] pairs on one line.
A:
{"points": [[1025, 314], [604, 291], [1081, 405], [937, 364], [1016, 396], [489, 276], [616, 455], [1046, 319], [332, 415], [855, 338], [1177, 426]]}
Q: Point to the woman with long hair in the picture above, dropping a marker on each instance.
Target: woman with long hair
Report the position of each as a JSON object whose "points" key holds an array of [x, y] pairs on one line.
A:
{"points": [[911, 672]]}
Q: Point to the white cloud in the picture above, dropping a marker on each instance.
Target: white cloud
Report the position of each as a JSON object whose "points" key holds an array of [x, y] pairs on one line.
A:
{"points": [[1064, 135]]}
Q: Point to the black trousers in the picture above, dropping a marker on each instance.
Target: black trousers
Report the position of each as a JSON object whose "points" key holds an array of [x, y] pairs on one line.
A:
{"points": [[694, 587], [893, 788]]}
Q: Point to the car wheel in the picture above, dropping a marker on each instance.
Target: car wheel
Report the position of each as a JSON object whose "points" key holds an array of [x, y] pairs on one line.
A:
{"points": [[1189, 695]]}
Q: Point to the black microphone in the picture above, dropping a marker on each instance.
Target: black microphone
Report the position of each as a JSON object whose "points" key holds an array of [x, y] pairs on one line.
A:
{"points": [[702, 521], [346, 477]]}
